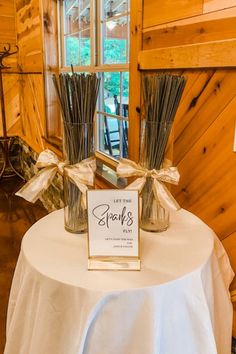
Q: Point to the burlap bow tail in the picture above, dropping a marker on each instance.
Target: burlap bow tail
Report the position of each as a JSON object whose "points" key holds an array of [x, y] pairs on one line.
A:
{"points": [[128, 168], [81, 174]]}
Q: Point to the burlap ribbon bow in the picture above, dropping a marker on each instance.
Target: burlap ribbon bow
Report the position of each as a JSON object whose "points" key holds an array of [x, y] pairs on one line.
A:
{"points": [[128, 168], [81, 174]]}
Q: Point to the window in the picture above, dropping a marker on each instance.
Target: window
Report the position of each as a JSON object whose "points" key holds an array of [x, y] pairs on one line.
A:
{"points": [[95, 38]]}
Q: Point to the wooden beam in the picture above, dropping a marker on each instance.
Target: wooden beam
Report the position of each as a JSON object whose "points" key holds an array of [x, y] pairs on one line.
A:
{"points": [[210, 29], [216, 15], [201, 55], [156, 12], [216, 5], [136, 7]]}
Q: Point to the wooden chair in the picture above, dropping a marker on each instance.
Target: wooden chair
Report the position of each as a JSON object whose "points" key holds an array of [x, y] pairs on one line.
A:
{"points": [[110, 137], [124, 113]]}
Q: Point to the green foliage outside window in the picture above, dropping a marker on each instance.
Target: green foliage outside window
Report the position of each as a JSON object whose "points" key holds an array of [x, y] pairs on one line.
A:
{"points": [[77, 51], [78, 54], [114, 51]]}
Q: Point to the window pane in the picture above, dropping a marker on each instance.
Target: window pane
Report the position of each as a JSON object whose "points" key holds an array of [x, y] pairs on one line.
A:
{"points": [[77, 50], [71, 13], [110, 175], [113, 136], [115, 7], [115, 41], [72, 50], [111, 94], [85, 49], [125, 94], [77, 32]]}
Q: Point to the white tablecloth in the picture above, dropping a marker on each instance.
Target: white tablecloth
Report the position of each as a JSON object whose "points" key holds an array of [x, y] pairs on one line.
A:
{"points": [[177, 304]]}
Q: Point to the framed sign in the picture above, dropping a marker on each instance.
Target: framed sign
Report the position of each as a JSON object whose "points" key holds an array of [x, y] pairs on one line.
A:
{"points": [[113, 230]]}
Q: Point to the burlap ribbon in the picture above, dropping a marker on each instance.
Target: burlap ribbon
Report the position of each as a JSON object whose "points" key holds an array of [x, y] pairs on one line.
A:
{"points": [[128, 168], [81, 174]]}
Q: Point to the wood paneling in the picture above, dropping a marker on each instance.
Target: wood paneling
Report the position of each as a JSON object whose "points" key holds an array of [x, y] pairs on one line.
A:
{"points": [[208, 173], [7, 22], [216, 15], [229, 244], [32, 110], [51, 67], [182, 33], [203, 44], [29, 35], [10, 80], [201, 55], [215, 5], [11, 98], [8, 30], [159, 11], [32, 94], [207, 98]]}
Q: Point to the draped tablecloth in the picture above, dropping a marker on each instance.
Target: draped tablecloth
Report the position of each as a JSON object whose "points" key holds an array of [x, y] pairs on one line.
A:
{"points": [[178, 303]]}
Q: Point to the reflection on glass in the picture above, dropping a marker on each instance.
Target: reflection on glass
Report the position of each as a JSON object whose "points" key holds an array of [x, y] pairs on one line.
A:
{"points": [[125, 94], [72, 50], [85, 49], [114, 8], [77, 16], [113, 136], [77, 32], [71, 24], [115, 40], [77, 50]]}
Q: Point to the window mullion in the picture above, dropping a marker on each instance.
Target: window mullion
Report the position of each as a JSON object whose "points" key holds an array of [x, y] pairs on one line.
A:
{"points": [[116, 17], [62, 31], [92, 32], [100, 33], [121, 121]]}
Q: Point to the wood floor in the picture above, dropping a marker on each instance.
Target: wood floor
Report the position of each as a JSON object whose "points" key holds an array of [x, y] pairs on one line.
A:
{"points": [[16, 216]]}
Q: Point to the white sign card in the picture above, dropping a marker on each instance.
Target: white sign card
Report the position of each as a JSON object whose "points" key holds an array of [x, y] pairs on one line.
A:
{"points": [[113, 229]]}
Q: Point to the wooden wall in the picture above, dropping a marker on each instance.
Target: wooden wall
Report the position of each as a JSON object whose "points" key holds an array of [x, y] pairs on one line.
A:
{"points": [[198, 38], [36, 25], [30, 62], [23, 84], [10, 76]]}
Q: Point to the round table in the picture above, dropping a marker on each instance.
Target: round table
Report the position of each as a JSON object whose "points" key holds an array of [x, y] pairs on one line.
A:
{"points": [[178, 303]]}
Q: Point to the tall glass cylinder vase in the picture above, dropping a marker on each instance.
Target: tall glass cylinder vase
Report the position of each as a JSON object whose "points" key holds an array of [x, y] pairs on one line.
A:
{"points": [[154, 217], [77, 145]]}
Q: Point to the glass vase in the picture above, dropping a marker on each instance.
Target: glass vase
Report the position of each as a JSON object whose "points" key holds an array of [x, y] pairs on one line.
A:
{"points": [[75, 213], [77, 146], [154, 217]]}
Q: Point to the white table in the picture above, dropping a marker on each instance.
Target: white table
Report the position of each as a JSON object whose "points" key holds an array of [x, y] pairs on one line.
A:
{"points": [[177, 304]]}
